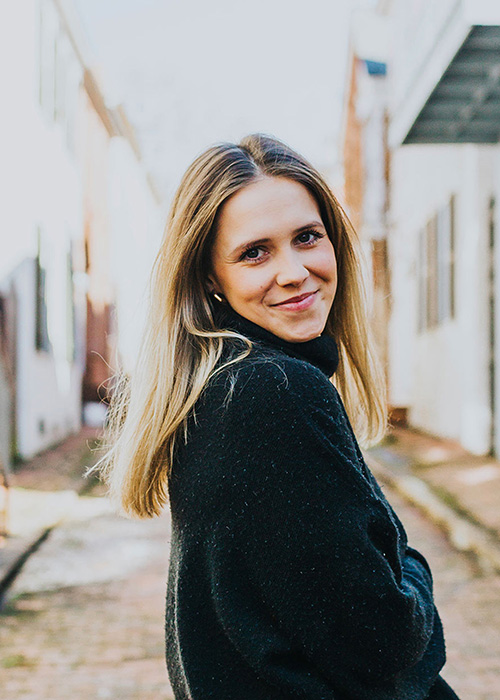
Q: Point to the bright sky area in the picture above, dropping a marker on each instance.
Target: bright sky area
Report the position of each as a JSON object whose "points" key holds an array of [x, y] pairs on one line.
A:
{"points": [[192, 72]]}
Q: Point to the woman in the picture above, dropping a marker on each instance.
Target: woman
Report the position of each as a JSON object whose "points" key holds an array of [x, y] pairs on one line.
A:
{"points": [[290, 575]]}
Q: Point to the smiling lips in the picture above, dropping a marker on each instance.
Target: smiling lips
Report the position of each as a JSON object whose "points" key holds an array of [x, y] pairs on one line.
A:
{"points": [[299, 302]]}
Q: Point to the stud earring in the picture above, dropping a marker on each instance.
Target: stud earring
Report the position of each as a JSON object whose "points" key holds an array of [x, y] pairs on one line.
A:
{"points": [[218, 297]]}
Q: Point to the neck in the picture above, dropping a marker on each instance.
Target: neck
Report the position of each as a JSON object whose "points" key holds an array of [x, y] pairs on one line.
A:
{"points": [[322, 352]]}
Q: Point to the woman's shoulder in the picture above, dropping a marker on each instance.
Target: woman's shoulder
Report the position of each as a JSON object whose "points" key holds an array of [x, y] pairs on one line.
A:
{"points": [[270, 374]]}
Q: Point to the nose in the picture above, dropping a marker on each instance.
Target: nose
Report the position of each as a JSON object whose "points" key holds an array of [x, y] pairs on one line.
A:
{"points": [[291, 270]]}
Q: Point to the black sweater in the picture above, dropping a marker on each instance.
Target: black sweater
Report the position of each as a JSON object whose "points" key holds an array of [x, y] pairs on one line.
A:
{"points": [[290, 575]]}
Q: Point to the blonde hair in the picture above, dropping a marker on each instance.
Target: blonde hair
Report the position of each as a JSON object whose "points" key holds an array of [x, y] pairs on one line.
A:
{"points": [[182, 345]]}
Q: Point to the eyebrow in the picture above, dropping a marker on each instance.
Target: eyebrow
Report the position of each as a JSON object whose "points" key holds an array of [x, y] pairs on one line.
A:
{"points": [[257, 242]]}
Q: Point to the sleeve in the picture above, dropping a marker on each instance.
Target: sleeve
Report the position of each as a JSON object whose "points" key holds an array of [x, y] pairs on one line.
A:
{"points": [[418, 556], [302, 526]]}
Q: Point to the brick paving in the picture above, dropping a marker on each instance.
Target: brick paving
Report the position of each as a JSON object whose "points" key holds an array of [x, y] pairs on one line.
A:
{"points": [[99, 640], [470, 483], [469, 604], [84, 618], [61, 467]]}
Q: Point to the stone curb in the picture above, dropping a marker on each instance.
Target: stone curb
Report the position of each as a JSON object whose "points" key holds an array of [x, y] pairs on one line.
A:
{"points": [[16, 563], [28, 544], [465, 535]]}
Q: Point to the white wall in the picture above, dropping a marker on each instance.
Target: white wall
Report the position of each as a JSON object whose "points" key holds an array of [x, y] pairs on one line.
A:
{"points": [[136, 231], [5, 420], [496, 292], [39, 174], [441, 374]]}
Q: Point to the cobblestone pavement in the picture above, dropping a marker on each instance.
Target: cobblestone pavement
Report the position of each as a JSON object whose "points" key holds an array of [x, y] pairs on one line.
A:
{"points": [[84, 619], [469, 605]]}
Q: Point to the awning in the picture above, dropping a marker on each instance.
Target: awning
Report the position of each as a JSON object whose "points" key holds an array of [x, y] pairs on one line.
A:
{"points": [[464, 106]]}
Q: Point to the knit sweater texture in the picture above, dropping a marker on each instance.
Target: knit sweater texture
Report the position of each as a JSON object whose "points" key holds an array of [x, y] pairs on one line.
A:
{"points": [[290, 574]]}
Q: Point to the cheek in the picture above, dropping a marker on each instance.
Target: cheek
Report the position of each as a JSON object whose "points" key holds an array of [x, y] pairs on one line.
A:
{"points": [[249, 283], [325, 265]]}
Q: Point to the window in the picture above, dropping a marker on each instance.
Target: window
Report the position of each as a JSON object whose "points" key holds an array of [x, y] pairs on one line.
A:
{"points": [[70, 307], [41, 331], [422, 280], [452, 256], [436, 265], [59, 72], [432, 274], [443, 232], [47, 32]]}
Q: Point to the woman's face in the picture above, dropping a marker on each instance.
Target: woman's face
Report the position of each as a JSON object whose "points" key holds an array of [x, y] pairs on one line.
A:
{"points": [[271, 246]]}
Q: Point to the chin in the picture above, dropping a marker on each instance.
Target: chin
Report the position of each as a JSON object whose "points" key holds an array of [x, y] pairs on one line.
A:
{"points": [[299, 336]]}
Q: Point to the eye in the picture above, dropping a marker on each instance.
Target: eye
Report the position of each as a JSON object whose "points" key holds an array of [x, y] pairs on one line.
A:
{"points": [[251, 253], [315, 236], [248, 253]]}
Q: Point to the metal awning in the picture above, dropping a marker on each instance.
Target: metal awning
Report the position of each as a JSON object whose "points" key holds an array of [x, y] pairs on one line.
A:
{"points": [[464, 106]]}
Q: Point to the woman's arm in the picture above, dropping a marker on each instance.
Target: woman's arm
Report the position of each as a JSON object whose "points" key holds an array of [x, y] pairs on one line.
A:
{"points": [[302, 527]]}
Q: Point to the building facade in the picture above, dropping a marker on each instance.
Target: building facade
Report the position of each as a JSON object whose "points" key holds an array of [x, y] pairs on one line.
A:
{"points": [[40, 220], [443, 110], [59, 286], [366, 169]]}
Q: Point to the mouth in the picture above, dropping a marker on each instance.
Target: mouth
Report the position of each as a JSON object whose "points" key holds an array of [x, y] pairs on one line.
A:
{"points": [[301, 301]]}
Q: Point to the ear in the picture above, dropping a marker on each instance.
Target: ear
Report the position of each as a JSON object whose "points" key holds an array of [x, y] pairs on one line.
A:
{"points": [[211, 284]]}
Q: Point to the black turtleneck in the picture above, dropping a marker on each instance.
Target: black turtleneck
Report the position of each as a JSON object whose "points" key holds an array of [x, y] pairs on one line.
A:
{"points": [[321, 351], [290, 574]]}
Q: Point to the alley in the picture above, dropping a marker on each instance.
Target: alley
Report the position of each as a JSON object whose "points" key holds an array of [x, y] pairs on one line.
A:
{"points": [[85, 617], [468, 600]]}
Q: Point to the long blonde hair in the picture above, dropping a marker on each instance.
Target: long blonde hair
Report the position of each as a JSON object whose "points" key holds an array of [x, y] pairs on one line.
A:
{"points": [[182, 344]]}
